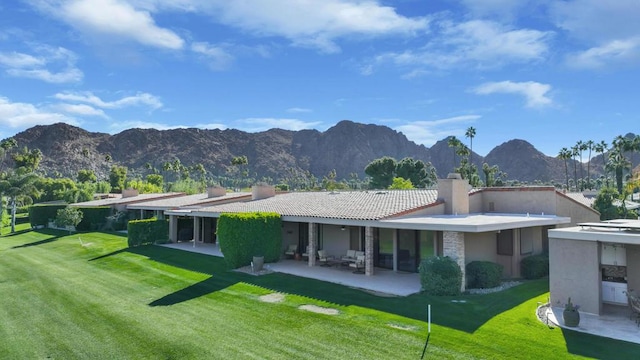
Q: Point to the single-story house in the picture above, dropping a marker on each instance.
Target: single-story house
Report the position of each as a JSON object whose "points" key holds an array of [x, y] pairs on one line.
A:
{"points": [[183, 227], [594, 263], [395, 229], [128, 197]]}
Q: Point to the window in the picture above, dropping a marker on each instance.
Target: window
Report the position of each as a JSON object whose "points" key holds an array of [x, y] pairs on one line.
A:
{"points": [[505, 242]]}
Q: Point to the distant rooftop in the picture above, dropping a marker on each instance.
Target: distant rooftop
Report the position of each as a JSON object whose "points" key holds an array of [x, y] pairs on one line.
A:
{"points": [[188, 201]]}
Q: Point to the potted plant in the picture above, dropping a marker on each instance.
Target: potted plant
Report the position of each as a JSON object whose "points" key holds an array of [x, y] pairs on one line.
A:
{"points": [[258, 262], [570, 315]]}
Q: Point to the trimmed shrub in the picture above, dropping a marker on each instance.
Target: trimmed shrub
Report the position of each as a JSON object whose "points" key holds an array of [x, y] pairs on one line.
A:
{"points": [[535, 266], [41, 214], [483, 274], [93, 218], [440, 275], [243, 236], [148, 231]]}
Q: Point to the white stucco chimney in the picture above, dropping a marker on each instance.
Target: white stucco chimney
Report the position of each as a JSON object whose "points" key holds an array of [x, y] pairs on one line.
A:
{"points": [[262, 192], [454, 191], [215, 191], [129, 193]]}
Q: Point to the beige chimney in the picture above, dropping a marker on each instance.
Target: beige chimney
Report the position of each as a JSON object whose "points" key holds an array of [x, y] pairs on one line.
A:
{"points": [[215, 191], [262, 192], [454, 191], [129, 193]]}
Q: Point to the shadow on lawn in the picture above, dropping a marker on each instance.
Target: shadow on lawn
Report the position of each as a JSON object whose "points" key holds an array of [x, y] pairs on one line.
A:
{"points": [[56, 234], [592, 346], [466, 316]]}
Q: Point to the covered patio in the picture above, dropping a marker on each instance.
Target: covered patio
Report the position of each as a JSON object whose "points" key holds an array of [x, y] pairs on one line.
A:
{"points": [[385, 282]]}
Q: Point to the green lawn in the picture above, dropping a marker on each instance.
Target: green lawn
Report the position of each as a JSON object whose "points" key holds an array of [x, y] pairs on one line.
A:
{"points": [[62, 300]]}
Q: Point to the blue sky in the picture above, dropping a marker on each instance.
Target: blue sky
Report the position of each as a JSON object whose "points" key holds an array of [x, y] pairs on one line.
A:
{"points": [[549, 72]]}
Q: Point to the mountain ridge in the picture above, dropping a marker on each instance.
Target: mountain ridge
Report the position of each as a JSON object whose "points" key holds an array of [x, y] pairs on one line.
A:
{"points": [[346, 147]]}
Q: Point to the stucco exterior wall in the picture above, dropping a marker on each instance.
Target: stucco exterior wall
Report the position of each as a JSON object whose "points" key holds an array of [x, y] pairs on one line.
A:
{"points": [[534, 200], [480, 247], [577, 212], [633, 267], [335, 241], [574, 271], [475, 202]]}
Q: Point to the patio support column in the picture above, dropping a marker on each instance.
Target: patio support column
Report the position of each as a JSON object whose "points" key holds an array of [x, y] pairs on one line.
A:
{"points": [[313, 243], [196, 228], [368, 250], [173, 228], [141, 214], [453, 247]]}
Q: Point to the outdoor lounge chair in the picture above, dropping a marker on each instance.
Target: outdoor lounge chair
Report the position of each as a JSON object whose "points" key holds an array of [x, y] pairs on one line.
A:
{"points": [[350, 257], [291, 250], [634, 306]]}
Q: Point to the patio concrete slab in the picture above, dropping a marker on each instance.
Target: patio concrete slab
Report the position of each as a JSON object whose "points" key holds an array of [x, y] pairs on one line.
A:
{"points": [[613, 323], [383, 282]]}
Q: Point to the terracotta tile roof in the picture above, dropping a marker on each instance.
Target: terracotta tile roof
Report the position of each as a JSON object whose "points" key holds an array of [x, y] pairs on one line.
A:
{"points": [[196, 200], [354, 205], [581, 198]]}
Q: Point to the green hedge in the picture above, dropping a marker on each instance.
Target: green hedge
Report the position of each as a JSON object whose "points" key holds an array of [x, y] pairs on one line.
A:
{"points": [[440, 276], [535, 266], [41, 214], [93, 218], [148, 231], [483, 274], [243, 236]]}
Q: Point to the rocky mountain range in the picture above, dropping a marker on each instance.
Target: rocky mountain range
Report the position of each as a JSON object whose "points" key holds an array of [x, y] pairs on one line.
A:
{"points": [[346, 147]]}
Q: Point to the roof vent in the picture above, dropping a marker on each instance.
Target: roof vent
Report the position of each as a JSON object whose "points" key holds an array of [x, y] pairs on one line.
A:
{"points": [[262, 192], [215, 191], [129, 193], [454, 176]]}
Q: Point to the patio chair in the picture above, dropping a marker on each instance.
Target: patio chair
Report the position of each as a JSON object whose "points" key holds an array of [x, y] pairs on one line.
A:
{"points": [[358, 265], [323, 258], [634, 306], [305, 254], [291, 250]]}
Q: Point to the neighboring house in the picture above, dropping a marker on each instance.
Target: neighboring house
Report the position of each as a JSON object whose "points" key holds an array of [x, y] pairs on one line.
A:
{"points": [[594, 263], [396, 229], [128, 197], [183, 227]]}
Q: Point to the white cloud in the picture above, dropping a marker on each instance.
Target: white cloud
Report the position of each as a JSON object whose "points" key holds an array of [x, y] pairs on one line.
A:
{"points": [[79, 109], [314, 23], [112, 18], [428, 132], [535, 93], [140, 99], [17, 115], [614, 52], [298, 110], [597, 21], [476, 43], [216, 56], [262, 124], [50, 64]]}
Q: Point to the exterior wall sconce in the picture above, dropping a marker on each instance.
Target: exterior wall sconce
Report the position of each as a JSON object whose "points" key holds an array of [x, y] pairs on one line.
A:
{"points": [[343, 228]]}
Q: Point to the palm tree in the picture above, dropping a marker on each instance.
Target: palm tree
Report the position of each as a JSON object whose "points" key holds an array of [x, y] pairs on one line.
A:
{"points": [[19, 187], [470, 133], [574, 153], [589, 144], [601, 148], [455, 144], [565, 154], [581, 146]]}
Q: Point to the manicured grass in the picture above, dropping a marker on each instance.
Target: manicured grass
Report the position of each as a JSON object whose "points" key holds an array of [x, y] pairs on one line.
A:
{"points": [[60, 299]]}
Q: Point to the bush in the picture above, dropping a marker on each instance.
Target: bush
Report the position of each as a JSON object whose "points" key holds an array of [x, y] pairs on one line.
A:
{"points": [[535, 266], [440, 276], [483, 274], [148, 231], [69, 216], [41, 214], [93, 218], [243, 236]]}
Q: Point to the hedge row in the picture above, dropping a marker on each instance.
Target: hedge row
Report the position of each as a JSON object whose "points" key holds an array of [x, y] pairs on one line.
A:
{"points": [[535, 266], [440, 276], [483, 274], [41, 214], [93, 218], [243, 236], [148, 231]]}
